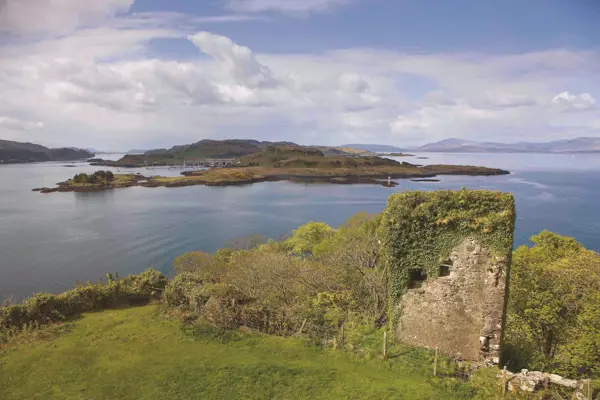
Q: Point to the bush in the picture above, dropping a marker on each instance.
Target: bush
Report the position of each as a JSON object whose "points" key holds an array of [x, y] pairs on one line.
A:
{"points": [[270, 289], [45, 308]]}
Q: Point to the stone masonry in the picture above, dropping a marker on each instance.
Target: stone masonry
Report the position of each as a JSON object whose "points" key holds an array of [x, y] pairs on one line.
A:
{"points": [[447, 254], [460, 313]]}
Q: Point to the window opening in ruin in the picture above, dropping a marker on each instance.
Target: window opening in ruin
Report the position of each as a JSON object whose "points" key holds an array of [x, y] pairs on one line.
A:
{"points": [[416, 278], [444, 270]]}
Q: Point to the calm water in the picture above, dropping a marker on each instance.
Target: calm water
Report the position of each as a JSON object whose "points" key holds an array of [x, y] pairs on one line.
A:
{"points": [[47, 242]]}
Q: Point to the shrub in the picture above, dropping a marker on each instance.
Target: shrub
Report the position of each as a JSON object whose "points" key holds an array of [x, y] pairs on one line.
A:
{"points": [[269, 289], [45, 308]]}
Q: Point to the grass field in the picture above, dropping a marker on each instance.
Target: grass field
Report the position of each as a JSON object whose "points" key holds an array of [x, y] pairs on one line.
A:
{"points": [[135, 353]]}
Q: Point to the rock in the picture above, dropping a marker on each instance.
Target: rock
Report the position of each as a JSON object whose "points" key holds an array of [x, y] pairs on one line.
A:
{"points": [[579, 396], [528, 381], [559, 380]]}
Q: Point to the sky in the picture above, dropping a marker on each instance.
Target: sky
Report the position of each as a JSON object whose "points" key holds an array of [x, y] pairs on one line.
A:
{"points": [[121, 74]]}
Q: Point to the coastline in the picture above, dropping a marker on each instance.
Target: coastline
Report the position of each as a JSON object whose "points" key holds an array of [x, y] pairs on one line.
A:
{"points": [[249, 175]]}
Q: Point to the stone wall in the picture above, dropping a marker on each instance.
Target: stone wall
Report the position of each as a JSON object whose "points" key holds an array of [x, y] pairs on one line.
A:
{"points": [[448, 255], [462, 312]]}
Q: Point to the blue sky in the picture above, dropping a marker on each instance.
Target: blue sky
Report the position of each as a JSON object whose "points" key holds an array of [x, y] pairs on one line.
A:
{"points": [[424, 25], [146, 73]]}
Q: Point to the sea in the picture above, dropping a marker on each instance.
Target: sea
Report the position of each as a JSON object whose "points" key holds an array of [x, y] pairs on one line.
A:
{"points": [[48, 242]]}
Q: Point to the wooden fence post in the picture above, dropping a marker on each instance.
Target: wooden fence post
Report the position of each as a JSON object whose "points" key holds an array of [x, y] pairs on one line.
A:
{"points": [[590, 390], [384, 344], [435, 361], [302, 327]]}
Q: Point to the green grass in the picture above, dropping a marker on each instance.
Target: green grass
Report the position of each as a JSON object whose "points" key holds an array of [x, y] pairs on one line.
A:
{"points": [[135, 353]]}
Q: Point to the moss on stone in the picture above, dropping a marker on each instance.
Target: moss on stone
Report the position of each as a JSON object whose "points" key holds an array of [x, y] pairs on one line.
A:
{"points": [[418, 230]]}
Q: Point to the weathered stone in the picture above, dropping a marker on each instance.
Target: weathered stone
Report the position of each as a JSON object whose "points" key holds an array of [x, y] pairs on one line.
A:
{"points": [[447, 254], [559, 380], [460, 313], [528, 381], [580, 396]]}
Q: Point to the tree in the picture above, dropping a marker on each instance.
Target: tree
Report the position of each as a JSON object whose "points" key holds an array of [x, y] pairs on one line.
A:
{"points": [[306, 237], [81, 178], [552, 321], [353, 251]]}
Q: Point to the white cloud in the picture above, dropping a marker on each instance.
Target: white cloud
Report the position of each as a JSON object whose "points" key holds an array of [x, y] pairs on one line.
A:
{"points": [[56, 16], [286, 6], [13, 124], [569, 101], [238, 61], [102, 85]]}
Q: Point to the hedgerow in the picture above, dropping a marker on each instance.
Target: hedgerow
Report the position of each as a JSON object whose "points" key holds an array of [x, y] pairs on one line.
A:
{"points": [[45, 308]]}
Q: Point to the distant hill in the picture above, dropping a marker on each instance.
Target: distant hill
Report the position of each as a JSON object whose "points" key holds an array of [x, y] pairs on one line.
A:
{"points": [[577, 145], [216, 148], [375, 148], [230, 148], [136, 151], [17, 152]]}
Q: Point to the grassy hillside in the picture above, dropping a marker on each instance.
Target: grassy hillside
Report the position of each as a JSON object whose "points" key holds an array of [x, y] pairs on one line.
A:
{"points": [[228, 149], [17, 152], [136, 354]]}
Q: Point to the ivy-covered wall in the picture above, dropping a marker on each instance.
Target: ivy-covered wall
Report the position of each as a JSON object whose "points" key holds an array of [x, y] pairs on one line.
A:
{"points": [[422, 230]]}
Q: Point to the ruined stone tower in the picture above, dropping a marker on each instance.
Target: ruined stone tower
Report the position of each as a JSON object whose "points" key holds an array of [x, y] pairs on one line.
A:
{"points": [[448, 257]]}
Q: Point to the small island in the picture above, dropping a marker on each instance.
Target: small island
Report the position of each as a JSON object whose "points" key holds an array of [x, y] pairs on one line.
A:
{"points": [[278, 163]]}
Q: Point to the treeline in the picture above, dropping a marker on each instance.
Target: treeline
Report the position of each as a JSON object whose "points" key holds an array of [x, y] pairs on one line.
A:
{"points": [[96, 177], [321, 279]]}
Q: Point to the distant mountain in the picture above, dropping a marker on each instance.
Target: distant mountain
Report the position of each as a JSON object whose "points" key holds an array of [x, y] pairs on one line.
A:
{"points": [[17, 152], [136, 151], [375, 148], [577, 145]]}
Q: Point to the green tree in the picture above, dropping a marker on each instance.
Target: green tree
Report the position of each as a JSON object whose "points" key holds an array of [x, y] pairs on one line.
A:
{"points": [[552, 321], [307, 236]]}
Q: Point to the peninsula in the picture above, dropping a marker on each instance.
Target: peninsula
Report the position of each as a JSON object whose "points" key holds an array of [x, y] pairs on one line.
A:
{"points": [[277, 163]]}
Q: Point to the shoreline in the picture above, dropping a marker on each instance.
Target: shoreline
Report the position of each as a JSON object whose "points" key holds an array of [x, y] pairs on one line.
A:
{"points": [[221, 177]]}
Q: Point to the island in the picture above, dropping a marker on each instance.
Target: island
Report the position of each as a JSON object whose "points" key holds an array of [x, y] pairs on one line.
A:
{"points": [[278, 163]]}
